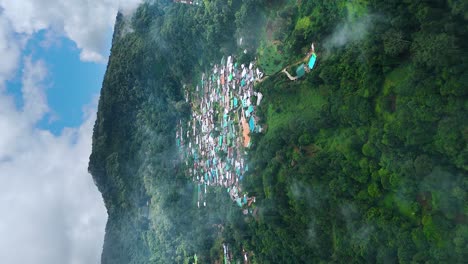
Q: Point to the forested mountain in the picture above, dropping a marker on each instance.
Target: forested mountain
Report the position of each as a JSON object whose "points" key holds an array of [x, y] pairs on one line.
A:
{"points": [[364, 159]]}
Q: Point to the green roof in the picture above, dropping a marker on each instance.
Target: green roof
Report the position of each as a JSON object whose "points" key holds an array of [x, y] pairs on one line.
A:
{"points": [[300, 71]]}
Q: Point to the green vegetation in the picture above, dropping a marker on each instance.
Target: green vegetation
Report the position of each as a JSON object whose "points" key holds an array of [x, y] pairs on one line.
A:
{"points": [[364, 159], [271, 59]]}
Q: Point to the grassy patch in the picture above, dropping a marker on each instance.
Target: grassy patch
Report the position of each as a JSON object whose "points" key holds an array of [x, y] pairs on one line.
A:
{"points": [[270, 59], [356, 8], [306, 103], [395, 79], [386, 102]]}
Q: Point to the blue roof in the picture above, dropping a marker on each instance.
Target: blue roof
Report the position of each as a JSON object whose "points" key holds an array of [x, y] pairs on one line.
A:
{"points": [[243, 82], [312, 60], [252, 124]]}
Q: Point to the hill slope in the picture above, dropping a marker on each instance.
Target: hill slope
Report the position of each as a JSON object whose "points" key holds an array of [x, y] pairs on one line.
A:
{"points": [[364, 158]]}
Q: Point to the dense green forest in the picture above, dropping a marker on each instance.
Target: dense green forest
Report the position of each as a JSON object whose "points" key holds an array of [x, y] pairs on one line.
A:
{"points": [[364, 159]]}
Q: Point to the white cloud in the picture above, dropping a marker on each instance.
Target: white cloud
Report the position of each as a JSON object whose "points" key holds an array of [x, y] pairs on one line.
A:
{"points": [[35, 101], [9, 51], [51, 211], [86, 22]]}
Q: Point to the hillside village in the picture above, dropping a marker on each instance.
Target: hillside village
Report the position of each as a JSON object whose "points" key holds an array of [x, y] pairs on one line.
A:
{"points": [[213, 142]]}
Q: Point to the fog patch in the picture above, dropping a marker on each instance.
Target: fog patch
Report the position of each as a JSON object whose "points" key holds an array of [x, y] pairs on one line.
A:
{"points": [[447, 192], [350, 31], [313, 196], [359, 231], [309, 198]]}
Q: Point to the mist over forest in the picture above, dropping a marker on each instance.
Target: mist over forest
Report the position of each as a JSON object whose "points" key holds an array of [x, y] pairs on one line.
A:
{"points": [[363, 158]]}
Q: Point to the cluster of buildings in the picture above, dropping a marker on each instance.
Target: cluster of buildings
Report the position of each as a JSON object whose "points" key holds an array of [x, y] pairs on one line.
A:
{"points": [[189, 2], [213, 142], [228, 255]]}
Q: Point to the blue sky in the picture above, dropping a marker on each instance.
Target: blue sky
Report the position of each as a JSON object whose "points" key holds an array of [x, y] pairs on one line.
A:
{"points": [[71, 83], [47, 112]]}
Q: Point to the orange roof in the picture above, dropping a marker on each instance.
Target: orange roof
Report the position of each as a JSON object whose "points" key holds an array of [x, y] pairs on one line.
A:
{"points": [[245, 130]]}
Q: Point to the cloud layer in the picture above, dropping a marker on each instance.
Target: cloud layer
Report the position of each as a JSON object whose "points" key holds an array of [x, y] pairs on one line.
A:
{"points": [[51, 211], [86, 22]]}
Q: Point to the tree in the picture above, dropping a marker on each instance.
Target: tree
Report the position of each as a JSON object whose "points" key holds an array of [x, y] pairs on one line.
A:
{"points": [[394, 43]]}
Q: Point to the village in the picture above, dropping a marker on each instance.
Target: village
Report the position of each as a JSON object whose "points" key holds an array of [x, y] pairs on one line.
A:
{"points": [[213, 143]]}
